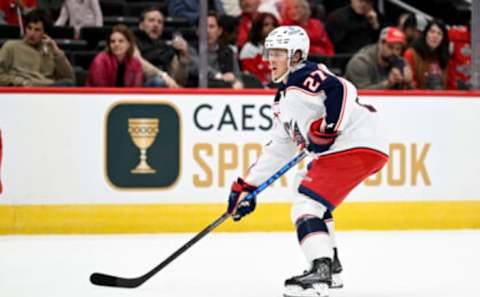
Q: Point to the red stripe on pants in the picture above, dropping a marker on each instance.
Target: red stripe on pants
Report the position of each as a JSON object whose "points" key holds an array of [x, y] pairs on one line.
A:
{"points": [[334, 176]]}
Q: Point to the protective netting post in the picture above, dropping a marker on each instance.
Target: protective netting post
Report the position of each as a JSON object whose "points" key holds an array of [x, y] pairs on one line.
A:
{"points": [[202, 45], [475, 29], [381, 6]]}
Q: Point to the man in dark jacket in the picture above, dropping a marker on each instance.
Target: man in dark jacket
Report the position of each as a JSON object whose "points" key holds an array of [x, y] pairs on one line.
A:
{"points": [[353, 26], [172, 57]]}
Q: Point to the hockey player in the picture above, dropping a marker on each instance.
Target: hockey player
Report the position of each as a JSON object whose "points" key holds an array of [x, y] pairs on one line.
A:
{"points": [[318, 111]]}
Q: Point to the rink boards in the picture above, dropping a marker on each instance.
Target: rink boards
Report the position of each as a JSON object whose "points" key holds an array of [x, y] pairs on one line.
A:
{"points": [[70, 155]]}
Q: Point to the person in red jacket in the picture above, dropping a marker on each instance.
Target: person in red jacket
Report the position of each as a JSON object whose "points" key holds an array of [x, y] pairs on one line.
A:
{"points": [[117, 66], [297, 12], [251, 55], [11, 8], [249, 12], [428, 57], [458, 71]]}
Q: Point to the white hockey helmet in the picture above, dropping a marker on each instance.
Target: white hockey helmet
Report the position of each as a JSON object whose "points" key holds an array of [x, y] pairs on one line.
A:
{"points": [[291, 38]]}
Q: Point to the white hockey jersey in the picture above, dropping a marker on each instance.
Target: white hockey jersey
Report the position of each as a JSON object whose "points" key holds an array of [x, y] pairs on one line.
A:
{"points": [[313, 92]]}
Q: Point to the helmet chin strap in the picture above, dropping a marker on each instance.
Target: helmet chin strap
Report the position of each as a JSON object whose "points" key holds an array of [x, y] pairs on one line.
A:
{"points": [[287, 72], [281, 77]]}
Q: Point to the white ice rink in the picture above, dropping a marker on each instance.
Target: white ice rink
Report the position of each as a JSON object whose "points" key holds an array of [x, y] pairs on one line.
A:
{"points": [[376, 264]]}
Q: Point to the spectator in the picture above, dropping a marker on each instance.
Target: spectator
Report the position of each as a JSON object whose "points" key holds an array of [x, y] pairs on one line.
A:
{"points": [[251, 55], [190, 9], [223, 70], [459, 63], [407, 23], [380, 65], [231, 7], [412, 25], [272, 7], [36, 60], [173, 59], [2, 18], [297, 12], [249, 11], [428, 57], [354, 26], [80, 13], [116, 66], [153, 76], [229, 37], [14, 9]]}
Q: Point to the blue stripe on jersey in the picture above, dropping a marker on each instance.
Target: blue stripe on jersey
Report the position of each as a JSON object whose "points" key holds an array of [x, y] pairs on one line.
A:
{"points": [[331, 86], [316, 197], [334, 103], [308, 225]]}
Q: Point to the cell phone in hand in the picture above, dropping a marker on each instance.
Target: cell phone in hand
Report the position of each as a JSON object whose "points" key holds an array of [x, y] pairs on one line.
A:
{"points": [[399, 63]]}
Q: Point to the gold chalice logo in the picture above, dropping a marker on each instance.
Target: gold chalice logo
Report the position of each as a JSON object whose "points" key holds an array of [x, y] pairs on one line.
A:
{"points": [[143, 132]]}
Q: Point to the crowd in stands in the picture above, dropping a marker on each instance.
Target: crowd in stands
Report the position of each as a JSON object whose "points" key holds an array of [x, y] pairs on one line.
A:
{"points": [[126, 43]]}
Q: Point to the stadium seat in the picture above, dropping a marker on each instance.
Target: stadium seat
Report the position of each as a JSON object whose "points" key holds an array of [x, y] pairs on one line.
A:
{"points": [[83, 59], [102, 44], [94, 34], [251, 82], [135, 9], [80, 76], [112, 7], [9, 32], [114, 20], [71, 44], [61, 32], [338, 63], [176, 22]]}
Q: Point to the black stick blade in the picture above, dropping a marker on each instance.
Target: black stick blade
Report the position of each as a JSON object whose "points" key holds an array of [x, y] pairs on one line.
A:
{"points": [[101, 279]]}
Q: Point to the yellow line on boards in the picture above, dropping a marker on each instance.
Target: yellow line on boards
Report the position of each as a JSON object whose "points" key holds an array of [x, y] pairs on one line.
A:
{"points": [[152, 218]]}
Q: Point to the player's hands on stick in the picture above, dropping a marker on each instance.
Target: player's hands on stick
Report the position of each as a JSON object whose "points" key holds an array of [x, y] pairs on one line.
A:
{"points": [[319, 138], [238, 207]]}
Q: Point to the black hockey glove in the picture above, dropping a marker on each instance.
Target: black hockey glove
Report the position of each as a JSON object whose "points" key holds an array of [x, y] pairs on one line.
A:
{"points": [[319, 140], [240, 208]]}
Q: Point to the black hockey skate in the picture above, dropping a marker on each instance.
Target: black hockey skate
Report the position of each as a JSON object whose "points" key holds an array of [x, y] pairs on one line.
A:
{"points": [[312, 283], [337, 282]]}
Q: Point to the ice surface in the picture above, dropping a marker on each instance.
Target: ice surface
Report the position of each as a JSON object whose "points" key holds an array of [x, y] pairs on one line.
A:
{"points": [[376, 264]]}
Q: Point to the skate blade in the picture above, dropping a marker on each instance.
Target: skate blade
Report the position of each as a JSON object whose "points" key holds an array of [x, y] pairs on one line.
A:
{"points": [[318, 290], [337, 282]]}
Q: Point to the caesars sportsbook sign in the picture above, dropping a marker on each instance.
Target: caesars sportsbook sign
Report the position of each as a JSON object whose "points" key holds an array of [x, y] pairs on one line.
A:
{"points": [[198, 146], [187, 148]]}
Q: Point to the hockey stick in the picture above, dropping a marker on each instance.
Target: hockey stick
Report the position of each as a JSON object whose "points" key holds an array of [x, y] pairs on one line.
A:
{"points": [[101, 279]]}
